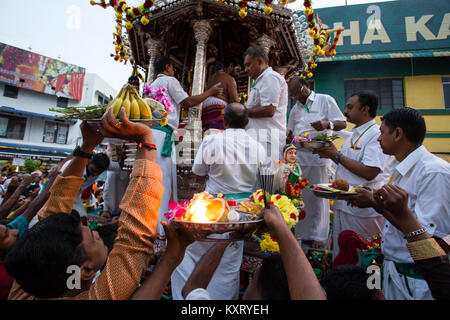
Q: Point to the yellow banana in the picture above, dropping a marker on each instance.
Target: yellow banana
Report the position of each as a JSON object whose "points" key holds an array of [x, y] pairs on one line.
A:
{"points": [[127, 104], [135, 113], [117, 104], [144, 108]]}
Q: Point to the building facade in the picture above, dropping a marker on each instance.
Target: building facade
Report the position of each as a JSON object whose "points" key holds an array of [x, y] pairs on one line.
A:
{"points": [[400, 50], [30, 84]]}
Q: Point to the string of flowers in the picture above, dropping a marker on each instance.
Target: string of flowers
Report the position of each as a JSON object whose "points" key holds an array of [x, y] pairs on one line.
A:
{"points": [[159, 94], [125, 13], [321, 37], [290, 213], [267, 6]]}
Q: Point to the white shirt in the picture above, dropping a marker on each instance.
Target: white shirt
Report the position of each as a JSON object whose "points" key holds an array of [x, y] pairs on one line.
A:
{"points": [[321, 107], [230, 159], [368, 152], [175, 93], [426, 178], [269, 88]]}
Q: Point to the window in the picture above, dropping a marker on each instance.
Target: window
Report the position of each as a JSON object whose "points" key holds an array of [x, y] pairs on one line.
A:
{"points": [[11, 91], [55, 132], [446, 88], [12, 127], [389, 91], [102, 100], [62, 102]]}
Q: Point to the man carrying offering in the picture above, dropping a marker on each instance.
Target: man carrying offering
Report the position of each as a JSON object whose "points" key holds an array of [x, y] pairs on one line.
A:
{"points": [[317, 114]]}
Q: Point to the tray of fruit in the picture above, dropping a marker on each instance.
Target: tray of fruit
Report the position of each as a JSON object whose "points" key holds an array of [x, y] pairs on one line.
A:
{"points": [[210, 218], [145, 110], [311, 143], [339, 188]]}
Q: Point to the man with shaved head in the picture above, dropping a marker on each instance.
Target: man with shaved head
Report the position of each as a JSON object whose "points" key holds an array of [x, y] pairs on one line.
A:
{"points": [[228, 160]]}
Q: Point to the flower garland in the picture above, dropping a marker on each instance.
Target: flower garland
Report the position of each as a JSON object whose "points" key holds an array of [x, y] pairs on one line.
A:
{"points": [[290, 215], [267, 6], [159, 95], [122, 9], [321, 40]]}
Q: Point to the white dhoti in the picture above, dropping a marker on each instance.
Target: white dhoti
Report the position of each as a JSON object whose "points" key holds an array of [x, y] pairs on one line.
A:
{"points": [[225, 282], [366, 227], [169, 176], [399, 287], [316, 224]]}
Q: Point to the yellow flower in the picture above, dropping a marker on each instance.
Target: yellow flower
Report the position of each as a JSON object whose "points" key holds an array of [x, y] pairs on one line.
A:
{"points": [[267, 244], [268, 10], [129, 25], [145, 20], [164, 122]]}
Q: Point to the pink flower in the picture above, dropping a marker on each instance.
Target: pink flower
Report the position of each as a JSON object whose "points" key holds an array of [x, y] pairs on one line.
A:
{"points": [[172, 205]]}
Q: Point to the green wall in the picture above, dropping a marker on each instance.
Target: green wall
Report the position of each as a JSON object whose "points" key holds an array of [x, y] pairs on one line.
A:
{"points": [[329, 76]]}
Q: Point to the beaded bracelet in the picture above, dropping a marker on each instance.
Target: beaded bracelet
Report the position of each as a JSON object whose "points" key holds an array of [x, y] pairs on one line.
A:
{"points": [[415, 233], [149, 146]]}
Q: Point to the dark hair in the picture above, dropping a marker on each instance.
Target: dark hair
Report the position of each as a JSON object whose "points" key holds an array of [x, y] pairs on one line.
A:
{"points": [[347, 282], [302, 81], [368, 98], [235, 61], [161, 63], [235, 119], [100, 183], [101, 161], [39, 259], [272, 279], [108, 233], [409, 120], [257, 52]]}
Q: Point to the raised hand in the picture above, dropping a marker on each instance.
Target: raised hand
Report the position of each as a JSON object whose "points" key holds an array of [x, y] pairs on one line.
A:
{"points": [[273, 219], [364, 199], [394, 201], [124, 129], [178, 238], [91, 136], [216, 90]]}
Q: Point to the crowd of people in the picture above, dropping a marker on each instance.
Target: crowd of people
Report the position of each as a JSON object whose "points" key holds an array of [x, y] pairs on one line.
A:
{"points": [[50, 250]]}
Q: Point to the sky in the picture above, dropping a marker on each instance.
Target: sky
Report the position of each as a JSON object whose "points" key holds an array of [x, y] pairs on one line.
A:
{"points": [[78, 33]]}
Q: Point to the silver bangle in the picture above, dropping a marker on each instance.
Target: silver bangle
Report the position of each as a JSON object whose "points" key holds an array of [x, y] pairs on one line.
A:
{"points": [[415, 233]]}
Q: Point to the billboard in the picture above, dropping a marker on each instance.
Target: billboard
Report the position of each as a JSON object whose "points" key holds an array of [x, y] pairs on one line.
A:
{"points": [[394, 26], [29, 70]]}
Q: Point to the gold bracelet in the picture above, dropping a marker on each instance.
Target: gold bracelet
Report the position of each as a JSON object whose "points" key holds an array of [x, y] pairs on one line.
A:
{"points": [[425, 249]]}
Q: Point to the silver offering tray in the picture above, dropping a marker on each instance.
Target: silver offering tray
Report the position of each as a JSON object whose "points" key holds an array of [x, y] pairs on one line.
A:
{"points": [[149, 122], [236, 230]]}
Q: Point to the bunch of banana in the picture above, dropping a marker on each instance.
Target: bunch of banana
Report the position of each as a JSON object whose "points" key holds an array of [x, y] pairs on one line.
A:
{"points": [[135, 107]]}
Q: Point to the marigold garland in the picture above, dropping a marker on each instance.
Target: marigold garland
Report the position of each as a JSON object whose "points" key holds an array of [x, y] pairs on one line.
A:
{"points": [[290, 215], [125, 13], [320, 36]]}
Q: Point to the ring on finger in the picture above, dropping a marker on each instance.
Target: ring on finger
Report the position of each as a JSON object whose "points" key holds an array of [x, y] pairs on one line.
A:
{"points": [[117, 124]]}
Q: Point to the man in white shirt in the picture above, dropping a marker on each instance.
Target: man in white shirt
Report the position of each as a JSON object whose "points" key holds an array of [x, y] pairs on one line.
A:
{"points": [[165, 156], [317, 114], [229, 160], [426, 178], [267, 102], [115, 186], [360, 162]]}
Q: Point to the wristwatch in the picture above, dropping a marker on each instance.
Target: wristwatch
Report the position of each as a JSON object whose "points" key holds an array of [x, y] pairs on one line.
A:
{"points": [[78, 153], [331, 125], [337, 157]]}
